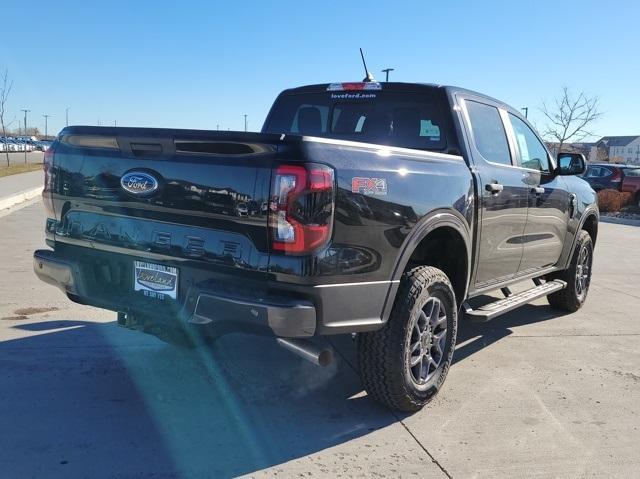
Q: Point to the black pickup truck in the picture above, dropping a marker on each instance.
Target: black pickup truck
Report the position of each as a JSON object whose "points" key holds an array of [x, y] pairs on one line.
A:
{"points": [[373, 209]]}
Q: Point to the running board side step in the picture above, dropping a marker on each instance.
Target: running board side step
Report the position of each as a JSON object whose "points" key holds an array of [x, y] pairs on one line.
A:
{"points": [[514, 301]]}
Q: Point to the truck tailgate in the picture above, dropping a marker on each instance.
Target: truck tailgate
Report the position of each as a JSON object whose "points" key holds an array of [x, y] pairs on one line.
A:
{"points": [[178, 196]]}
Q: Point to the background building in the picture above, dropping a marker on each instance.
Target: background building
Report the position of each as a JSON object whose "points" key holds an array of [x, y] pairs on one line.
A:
{"points": [[618, 149], [608, 149]]}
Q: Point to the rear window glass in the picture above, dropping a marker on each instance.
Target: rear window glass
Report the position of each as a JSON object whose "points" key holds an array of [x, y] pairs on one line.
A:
{"points": [[409, 120], [488, 132]]}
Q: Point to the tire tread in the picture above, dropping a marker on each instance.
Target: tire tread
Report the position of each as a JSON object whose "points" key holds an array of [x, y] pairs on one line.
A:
{"points": [[378, 352]]}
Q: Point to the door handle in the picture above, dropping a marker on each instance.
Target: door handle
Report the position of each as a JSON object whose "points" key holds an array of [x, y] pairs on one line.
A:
{"points": [[494, 188], [538, 190]]}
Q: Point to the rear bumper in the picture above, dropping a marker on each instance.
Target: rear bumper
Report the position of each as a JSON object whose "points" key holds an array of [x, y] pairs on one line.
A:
{"points": [[227, 304], [55, 271]]}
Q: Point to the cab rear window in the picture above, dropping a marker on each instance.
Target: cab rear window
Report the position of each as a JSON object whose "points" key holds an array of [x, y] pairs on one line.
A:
{"points": [[409, 120]]}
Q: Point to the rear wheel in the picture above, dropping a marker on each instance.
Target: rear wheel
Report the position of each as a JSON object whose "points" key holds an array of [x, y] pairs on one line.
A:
{"points": [[404, 364], [577, 277]]}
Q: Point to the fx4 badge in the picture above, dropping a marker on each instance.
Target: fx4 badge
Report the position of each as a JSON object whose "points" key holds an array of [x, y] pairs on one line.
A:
{"points": [[369, 186]]}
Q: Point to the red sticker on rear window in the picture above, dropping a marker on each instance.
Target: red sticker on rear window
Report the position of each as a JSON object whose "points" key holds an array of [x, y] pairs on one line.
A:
{"points": [[369, 186]]}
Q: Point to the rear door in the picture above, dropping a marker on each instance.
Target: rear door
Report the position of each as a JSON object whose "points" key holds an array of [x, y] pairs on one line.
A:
{"points": [[548, 200], [503, 193]]}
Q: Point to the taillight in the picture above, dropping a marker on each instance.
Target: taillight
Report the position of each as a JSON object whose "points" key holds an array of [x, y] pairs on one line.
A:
{"points": [[47, 166], [301, 208]]}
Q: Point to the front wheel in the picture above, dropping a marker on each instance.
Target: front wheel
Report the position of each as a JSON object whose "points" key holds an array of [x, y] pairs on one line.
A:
{"points": [[404, 364], [577, 276]]}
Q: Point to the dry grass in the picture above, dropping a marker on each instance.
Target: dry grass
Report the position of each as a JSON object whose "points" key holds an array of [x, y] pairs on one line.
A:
{"points": [[612, 201], [21, 168]]}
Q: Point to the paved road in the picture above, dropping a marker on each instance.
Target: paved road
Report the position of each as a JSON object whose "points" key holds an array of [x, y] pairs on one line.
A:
{"points": [[534, 394], [13, 184]]}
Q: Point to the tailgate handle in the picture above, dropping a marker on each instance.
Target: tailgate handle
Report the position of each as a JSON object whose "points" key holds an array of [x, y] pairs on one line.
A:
{"points": [[146, 150]]}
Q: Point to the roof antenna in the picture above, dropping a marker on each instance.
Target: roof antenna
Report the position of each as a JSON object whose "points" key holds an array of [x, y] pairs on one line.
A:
{"points": [[369, 77]]}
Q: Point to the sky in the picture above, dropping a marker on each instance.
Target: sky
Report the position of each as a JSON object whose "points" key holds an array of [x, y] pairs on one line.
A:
{"points": [[206, 64]]}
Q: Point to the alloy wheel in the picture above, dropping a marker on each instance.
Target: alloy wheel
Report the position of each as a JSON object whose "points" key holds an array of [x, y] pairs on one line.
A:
{"points": [[583, 270], [426, 341]]}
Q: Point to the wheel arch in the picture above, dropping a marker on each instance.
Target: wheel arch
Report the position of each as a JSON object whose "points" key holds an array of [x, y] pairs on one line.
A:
{"points": [[590, 225], [441, 239]]}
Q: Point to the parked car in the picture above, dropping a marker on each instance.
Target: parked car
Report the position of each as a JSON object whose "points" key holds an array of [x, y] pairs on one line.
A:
{"points": [[605, 176], [12, 145], [43, 145], [631, 183], [390, 205], [242, 210]]}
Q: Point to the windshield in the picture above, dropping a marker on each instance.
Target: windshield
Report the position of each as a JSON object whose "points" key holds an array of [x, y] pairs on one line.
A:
{"points": [[410, 120]]}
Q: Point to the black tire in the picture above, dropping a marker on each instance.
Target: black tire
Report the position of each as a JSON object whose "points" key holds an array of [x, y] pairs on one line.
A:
{"points": [[574, 295], [385, 356]]}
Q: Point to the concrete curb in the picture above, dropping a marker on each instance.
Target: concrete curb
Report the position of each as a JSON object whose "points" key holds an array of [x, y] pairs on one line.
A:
{"points": [[21, 197], [619, 221]]}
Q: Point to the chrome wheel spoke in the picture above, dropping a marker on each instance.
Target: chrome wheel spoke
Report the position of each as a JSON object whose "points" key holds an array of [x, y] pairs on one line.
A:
{"points": [[422, 318], [435, 312], [439, 335], [424, 369], [416, 330], [415, 360], [442, 319], [433, 363]]}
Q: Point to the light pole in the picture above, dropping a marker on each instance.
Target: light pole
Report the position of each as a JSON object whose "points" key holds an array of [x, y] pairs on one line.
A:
{"points": [[387, 70], [245, 123], [66, 114], [25, 132], [526, 111], [46, 124]]}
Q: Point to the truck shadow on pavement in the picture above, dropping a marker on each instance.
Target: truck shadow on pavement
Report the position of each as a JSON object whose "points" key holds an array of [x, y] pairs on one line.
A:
{"points": [[84, 398]]}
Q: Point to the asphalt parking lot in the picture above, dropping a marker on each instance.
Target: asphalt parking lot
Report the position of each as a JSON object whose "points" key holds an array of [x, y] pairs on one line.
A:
{"points": [[533, 394]]}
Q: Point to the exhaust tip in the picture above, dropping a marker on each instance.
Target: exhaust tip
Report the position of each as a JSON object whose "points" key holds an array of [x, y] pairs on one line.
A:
{"points": [[325, 358], [307, 350]]}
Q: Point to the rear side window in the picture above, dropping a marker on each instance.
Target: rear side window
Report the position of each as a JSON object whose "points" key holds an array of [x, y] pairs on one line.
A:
{"points": [[634, 172], [489, 135], [597, 172], [592, 172], [409, 120]]}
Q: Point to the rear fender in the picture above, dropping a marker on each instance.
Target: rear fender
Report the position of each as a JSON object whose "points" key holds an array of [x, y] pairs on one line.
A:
{"points": [[432, 221]]}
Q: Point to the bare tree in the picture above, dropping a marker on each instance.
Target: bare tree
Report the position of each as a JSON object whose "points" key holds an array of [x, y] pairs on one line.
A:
{"points": [[5, 89], [571, 118]]}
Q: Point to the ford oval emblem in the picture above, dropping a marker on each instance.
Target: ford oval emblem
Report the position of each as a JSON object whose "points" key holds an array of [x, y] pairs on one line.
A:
{"points": [[139, 183]]}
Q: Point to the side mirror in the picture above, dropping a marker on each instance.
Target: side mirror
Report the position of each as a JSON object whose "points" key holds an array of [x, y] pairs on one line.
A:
{"points": [[571, 164]]}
